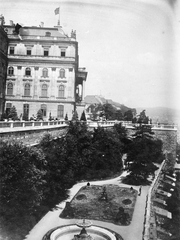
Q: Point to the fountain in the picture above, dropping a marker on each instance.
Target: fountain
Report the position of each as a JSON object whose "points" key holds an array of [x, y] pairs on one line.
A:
{"points": [[72, 232]]}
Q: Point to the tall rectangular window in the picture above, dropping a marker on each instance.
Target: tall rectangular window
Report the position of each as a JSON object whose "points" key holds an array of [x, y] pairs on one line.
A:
{"points": [[26, 110], [60, 113], [46, 52], [44, 109], [11, 50], [10, 88], [27, 90], [8, 107], [63, 52], [28, 51]]}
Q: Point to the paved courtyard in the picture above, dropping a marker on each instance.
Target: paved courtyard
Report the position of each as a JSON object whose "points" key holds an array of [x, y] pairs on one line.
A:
{"points": [[133, 231]]}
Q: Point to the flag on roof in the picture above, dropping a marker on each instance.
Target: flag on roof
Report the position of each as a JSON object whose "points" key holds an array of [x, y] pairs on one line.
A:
{"points": [[56, 11]]}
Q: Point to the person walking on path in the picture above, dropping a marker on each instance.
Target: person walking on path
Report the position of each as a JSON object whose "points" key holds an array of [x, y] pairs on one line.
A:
{"points": [[140, 190]]}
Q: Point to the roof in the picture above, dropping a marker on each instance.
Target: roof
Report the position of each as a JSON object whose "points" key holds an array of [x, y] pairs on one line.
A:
{"points": [[57, 31]]}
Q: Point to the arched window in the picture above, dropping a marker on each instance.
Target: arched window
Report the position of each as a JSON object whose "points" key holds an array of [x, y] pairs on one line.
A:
{"points": [[44, 90], [28, 72], [60, 111], [44, 109], [27, 89], [45, 72], [11, 71], [10, 89], [62, 73], [61, 91]]}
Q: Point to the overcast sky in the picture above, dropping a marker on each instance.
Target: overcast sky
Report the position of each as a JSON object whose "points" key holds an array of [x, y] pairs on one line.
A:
{"points": [[130, 48]]}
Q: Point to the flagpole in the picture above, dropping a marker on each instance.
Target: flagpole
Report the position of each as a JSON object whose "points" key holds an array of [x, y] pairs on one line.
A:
{"points": [[59, 18]]}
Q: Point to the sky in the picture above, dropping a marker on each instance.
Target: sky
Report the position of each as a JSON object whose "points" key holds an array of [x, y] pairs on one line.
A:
{"points": [[130, 48]]}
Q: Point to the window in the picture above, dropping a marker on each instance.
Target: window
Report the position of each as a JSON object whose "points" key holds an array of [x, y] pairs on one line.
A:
{"points": [[60, 111], [28, 51], [10, 89], [46, 52], [11, 50], [28, 72], [26, 111], [62, 73], [44, 109], [48, 34], [45, 72], [8, 107], [63, 52], [61, 91], [44, 90], [27, 89], [11, 71]]}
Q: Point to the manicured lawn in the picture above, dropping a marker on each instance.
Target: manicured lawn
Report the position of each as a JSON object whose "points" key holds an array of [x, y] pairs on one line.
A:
{"points": [[91, 203]]}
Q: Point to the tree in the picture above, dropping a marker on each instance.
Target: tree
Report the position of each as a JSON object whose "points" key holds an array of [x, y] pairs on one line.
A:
{"points": [[40, 115], [66, 117], [128, 115], [118, 115], [22, 186], [143, 118], [13, 113], [83, 116], [75, 116], [109, 111], [143, 152]]}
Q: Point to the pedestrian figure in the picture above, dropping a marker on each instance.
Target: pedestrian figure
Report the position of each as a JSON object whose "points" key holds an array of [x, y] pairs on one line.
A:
{"points": [[140, 190], [88, 184], [131, 188]]}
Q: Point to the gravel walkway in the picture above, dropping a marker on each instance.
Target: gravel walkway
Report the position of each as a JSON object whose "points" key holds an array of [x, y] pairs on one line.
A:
{"points": [[131, 232]]}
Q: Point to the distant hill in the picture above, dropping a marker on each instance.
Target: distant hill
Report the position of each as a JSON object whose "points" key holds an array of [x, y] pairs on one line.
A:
{"points": [[96, 99], [162, 114]]}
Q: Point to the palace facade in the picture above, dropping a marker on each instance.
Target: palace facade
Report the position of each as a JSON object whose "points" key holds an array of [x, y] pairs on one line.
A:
{"points": [[3, 64], [43, 72]]}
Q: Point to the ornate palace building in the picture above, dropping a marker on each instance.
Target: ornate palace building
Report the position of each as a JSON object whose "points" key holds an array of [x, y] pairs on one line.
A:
{"points": [[3, 64], [43, 72]]}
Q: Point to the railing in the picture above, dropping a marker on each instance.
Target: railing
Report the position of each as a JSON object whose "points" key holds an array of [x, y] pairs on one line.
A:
{"points": [[149, 222], [23, 124], [16, 124]]}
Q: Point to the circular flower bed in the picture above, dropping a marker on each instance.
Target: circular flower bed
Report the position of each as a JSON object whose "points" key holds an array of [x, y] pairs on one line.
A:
{"points": [[126, 201], [81, 197]]}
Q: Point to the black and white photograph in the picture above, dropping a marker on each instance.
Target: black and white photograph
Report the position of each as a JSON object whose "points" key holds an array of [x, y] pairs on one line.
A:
{"points": [[89, 120]]}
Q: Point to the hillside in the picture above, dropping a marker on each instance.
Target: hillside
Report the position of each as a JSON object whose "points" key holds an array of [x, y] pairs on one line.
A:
{"points": [[95, 99], [162, 114]]}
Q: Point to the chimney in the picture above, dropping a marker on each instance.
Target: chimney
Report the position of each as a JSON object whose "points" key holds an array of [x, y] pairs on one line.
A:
{"points": [[11, 22]]}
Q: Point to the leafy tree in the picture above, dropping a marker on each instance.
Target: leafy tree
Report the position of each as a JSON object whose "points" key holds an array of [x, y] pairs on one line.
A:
{"points": [[83, 116], [118, 115], [143, 118], [143, 152], [128, 115], [143, 131], [13, 113], [40, 115], [107, 152], [122, 135], [22, 184], [109, 111]]}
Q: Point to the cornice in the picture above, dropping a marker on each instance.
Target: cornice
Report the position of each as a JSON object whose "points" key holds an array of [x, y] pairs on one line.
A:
{"points": [[38, 62], [58, 101]]}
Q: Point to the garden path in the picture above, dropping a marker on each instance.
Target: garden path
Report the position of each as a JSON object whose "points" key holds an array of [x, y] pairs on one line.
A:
{"points": [[130, 232]]}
